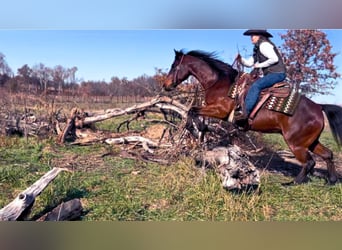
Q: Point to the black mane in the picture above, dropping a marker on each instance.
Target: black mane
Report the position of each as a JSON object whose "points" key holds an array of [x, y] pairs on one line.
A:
{"points": [[223, 69]]}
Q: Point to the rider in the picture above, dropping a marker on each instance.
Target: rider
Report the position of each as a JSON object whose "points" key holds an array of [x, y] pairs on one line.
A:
{"points": [[266, 57]]}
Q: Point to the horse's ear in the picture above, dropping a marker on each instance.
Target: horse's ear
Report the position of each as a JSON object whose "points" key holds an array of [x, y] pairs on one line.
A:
{"points": [[177, 53]]}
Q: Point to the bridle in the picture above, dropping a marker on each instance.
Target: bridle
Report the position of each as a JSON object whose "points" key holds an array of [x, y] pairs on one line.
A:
{"points": [[175, 76]]}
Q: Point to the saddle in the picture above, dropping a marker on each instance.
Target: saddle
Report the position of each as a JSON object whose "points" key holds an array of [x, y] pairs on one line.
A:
{"points": [[281, 97]]}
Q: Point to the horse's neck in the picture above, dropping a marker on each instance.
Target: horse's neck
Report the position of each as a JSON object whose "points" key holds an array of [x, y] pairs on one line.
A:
{"points": [[204, 74]]}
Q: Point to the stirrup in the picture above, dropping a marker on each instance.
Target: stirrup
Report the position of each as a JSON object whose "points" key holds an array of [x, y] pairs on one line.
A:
{"points": [[242, 124], [240, 115]]}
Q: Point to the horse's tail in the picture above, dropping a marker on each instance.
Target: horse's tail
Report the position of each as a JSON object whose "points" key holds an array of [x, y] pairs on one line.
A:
{"points": [[334, 115]]}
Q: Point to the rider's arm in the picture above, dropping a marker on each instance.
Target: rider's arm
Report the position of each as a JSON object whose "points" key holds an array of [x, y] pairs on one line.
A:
{"points": [[248, 62]]}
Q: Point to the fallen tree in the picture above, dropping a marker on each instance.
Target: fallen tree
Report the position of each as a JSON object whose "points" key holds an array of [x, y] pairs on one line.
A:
{"points": [[171, 139], [79, 119]]}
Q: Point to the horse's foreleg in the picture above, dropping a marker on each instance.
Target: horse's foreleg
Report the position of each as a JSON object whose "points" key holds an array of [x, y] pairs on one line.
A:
{"points": [[194, 124], [214, 111], [196, 119]]}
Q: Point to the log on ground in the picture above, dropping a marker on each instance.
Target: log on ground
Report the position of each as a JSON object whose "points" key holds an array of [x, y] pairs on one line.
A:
{"points": [[21, 205], [66, 211]]}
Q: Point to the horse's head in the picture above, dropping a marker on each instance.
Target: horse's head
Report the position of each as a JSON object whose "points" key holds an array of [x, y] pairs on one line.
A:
{"points": [[178, 73], [204, 66]]}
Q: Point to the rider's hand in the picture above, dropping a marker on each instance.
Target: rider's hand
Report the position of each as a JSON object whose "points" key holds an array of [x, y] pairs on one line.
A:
{"points": [[238, 58]]}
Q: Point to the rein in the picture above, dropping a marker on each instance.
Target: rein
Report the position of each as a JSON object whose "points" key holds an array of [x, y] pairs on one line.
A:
{"points": [[178, 68], [199, 91]]}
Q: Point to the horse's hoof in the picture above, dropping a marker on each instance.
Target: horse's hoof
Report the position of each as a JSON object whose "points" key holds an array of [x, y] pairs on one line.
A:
{"points": [[312, 171], [301, 180], [289, 184], [332, 180]]}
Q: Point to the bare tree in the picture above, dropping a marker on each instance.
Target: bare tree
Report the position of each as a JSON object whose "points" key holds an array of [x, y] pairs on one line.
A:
{"points": [[4, 68], [43, 74], [59, 75], [310, 61]]}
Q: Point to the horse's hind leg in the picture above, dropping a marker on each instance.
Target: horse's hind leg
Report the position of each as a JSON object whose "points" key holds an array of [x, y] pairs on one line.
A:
{"points": [[303, 156], [327, 156], [307, 162]]}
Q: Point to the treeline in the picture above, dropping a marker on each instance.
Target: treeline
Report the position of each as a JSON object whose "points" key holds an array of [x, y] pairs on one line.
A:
{"points": [[59, 80]]}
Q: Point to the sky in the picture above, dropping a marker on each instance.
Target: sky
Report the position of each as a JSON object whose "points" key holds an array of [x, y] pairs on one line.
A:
{"points": [[106, 38], [102, 54], [156, 14]]}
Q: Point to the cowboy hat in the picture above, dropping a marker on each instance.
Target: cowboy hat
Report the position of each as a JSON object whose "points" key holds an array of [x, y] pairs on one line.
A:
{"points": [[257, 32]]}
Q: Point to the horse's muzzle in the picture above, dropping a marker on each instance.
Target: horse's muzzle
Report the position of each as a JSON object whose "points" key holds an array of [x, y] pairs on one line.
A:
{"points": [[169, 88], [169, 85]]}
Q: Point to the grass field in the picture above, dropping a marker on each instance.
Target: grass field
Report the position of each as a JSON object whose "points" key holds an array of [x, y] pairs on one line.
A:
{"points": [[114, 188]]}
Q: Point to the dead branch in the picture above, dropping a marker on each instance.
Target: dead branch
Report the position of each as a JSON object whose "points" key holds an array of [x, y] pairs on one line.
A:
{"points": [[78, 119], [158, 102], [146, 143]]}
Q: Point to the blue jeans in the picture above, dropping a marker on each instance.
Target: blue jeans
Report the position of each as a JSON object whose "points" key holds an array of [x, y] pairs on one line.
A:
{"points": [[260, 84]]}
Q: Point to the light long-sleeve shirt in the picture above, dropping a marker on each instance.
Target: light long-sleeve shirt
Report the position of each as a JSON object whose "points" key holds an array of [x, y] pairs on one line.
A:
{"points": [[267, 50]]}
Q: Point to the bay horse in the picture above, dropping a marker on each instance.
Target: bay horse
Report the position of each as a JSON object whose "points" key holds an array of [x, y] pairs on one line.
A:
{"points": [[301, 131]]}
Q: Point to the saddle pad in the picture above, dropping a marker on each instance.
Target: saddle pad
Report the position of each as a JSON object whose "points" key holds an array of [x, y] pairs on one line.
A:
{"points": [[286, 105], [234, 90]]}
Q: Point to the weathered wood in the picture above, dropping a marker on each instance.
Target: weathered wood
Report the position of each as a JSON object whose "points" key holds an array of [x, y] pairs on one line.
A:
{"points": [[77, 120], [146, 143], [160, 102], [69, 127], [233, 166], [70, 210], [23, 124], [25, 199]]}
